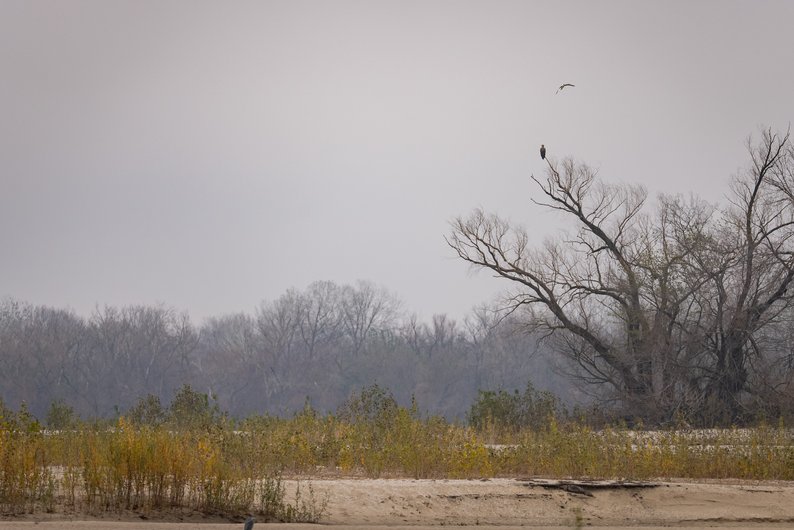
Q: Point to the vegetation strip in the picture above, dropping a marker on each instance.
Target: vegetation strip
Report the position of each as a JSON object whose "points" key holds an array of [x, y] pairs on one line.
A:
{"points": [[211, 465]]}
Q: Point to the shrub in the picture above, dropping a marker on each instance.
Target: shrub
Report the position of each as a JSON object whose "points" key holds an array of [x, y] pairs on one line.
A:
{"points": [[192, 410], [372, 405], [147, 411], [514, 411], [61, 416]]}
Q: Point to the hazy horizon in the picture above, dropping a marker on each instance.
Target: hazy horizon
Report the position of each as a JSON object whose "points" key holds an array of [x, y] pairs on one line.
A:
{"points": [[210, 155]]}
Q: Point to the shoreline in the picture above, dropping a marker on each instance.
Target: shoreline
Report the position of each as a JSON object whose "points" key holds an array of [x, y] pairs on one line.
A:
{"points": [[502, 502]]}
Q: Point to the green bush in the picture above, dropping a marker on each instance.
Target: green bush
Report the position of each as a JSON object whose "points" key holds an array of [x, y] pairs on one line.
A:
{"points": [[148, 411], [193, 410], [372, 405], [61, 416], [514, 411]]}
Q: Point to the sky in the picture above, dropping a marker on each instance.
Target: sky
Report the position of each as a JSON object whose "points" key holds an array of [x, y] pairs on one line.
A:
{"points": [[211, 155]]}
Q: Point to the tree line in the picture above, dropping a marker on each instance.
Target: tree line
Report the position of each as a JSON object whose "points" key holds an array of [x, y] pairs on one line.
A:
{"points": [[320, 344]]}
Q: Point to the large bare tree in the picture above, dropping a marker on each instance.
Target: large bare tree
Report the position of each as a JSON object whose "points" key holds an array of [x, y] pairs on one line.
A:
{"points": [[660, 303]]}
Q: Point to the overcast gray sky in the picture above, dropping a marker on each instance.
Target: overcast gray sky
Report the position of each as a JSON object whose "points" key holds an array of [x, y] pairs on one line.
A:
{"points": [[210, 155]]}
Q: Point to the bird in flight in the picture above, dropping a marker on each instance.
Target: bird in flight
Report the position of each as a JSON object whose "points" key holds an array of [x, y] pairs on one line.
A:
{"points": [[563, 86], [543, 151]]}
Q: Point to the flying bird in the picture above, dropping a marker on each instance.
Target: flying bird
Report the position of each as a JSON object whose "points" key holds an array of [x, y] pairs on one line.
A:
{"points": [[563, 86], [543, 151]]}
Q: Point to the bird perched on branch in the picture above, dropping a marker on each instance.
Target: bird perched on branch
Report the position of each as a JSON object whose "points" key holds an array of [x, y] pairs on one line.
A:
{"points": [[563, 86], [543, 151]]}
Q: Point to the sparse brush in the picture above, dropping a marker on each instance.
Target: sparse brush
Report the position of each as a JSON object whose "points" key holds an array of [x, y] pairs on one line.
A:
{"points": [[27, 481], [217, 469]]}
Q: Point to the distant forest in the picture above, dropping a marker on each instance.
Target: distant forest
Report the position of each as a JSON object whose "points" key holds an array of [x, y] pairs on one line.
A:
{"points": [[319, 345]]}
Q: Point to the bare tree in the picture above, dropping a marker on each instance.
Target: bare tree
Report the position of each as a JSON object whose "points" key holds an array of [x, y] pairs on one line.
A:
{"points": [[37, 348], [278, 328], [227, 360], [584, 290], [751, 285], [660, 306], [320, 320], [414, 333], [365, 309], [134, 351]]}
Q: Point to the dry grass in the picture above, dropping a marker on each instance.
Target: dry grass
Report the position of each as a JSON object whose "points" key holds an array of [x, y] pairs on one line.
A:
{"points": [[234, 471]]}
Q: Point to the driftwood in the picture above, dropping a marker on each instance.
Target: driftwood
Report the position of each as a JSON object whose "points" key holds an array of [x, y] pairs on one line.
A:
{"points": [[585, 487]]}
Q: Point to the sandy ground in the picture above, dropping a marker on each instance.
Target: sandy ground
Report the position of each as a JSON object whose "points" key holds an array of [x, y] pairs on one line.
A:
{"points": [[506, 503]]}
